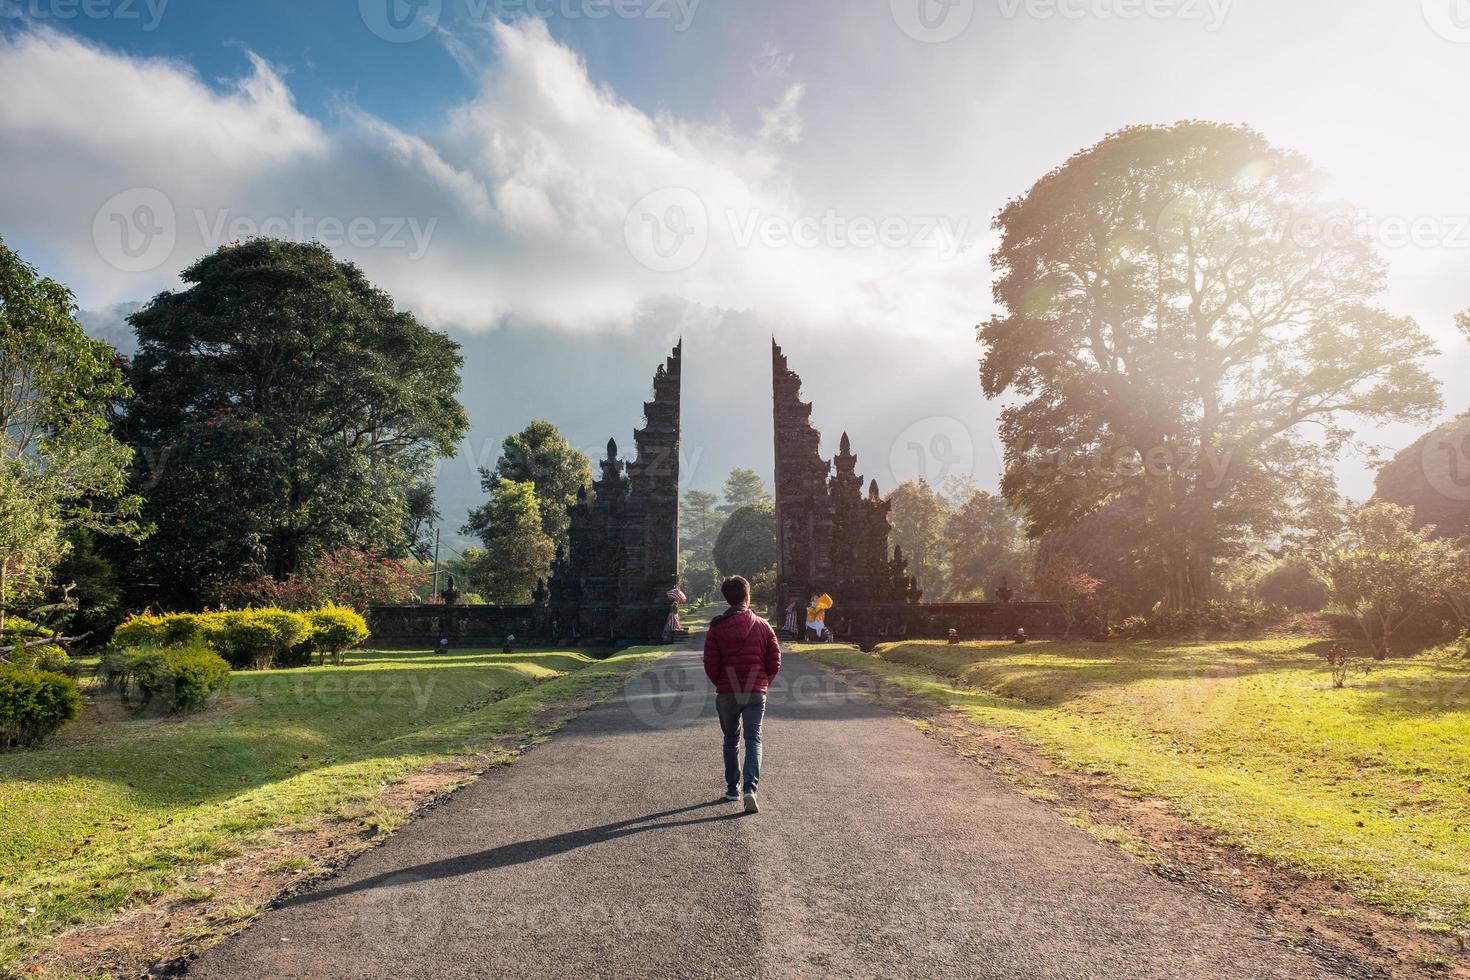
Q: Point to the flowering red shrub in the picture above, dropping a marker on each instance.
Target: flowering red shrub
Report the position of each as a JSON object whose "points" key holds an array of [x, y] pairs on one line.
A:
{"points": [[346, 576]]}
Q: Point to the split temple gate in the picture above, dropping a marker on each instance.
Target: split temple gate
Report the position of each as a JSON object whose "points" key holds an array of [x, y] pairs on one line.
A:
{"points": [[609, 586]]}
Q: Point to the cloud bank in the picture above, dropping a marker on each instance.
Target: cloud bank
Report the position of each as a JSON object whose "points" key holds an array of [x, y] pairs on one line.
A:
{"points": [[542, 199]]}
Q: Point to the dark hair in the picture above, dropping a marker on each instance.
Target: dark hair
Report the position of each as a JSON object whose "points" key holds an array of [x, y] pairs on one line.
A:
{"points": [[735, 590]]}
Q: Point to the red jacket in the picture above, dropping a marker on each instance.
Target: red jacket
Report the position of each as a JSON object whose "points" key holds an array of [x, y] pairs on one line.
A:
{"points": [[741, 654]]}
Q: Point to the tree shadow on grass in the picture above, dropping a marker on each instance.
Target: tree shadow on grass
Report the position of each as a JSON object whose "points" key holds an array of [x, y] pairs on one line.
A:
{"points": [[521, 852]]}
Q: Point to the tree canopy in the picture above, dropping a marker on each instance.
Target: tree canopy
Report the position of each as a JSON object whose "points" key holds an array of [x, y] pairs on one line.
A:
{"points": [[62, 470], [747, 543], [284, 409], [1185, 323], [541, 456], [744, 488], [518, 550]]}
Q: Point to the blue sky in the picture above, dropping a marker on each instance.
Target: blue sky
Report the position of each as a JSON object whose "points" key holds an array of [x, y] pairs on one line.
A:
{"points": [[497, 166]]}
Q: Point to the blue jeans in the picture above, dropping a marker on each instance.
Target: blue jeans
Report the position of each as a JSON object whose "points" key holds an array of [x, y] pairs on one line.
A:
{"points": [[739, 711]]}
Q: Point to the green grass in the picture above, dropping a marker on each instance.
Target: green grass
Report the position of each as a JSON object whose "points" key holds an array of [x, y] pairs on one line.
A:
{"points": [[118, 809], [1368, 785]]}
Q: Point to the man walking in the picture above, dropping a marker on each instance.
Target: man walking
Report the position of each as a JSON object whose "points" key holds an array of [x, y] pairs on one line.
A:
{"points": [[741, 656]]}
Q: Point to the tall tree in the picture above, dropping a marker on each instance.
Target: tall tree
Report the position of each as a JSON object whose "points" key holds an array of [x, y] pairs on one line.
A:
{"points": [[744, 488], [1176, 327], [986, 543], [518, 551], [541, 456], [61, 469], [699, 526], [920, 519], [284, 409]]}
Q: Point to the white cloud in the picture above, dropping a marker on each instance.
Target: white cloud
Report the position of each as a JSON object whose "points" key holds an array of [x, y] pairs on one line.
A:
{"points": [[515, 207]]}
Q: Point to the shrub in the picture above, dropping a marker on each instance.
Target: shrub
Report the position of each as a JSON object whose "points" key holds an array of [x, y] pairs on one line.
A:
{"points": [[146, 630], [175, 678], [258, 637], [1340, 662], [1215, 619], [34, 704], [1295, 586], [335, 629]]}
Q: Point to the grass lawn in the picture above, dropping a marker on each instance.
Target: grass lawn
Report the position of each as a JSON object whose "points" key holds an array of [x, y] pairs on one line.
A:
{"points": [[118, 810], [1368, 785]]}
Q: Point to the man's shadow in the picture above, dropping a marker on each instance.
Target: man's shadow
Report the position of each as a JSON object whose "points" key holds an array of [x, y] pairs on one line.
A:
{"points": [[520, 852]]}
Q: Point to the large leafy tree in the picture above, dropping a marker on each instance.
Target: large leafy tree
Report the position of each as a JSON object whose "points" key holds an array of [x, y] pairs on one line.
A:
{"points": [[284, 409], [62, 472], [541, 456], [1432, 477], [1178, 328], [699, 525], [986, 544], [747, 543], [518, 550], [920, 519]]}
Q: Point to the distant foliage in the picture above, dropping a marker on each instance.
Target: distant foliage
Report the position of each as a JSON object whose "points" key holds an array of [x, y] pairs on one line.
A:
{"points": [[1417, 476], [747, 543], [700, 580], [538, 455], [34, 704], [517, 552], [1214, 620], [763, 589], [1294, 585], [1387, 570]]}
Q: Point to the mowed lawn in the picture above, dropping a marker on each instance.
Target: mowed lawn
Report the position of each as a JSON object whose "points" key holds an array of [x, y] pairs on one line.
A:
{"points": [[1368, 785], [117, 810]]}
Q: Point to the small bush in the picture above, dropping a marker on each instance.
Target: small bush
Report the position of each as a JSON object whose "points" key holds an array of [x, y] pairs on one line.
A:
{"points": [[1340, 662], [336, 629], [1295, 586], [34, 704], [19, 632], [258, 637], [173, 678]]}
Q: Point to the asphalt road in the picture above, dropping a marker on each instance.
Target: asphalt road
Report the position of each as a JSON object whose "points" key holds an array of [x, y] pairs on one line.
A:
{"points": [[602, 852]]}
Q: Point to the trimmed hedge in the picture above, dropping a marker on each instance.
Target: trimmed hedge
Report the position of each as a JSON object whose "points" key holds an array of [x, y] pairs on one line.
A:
{"points": [[34, 704], [258, 638], [176, 678]]}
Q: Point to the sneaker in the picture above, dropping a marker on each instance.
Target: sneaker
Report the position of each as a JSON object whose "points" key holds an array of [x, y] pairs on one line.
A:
{"points": [[731, 796], [752, 805]]}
